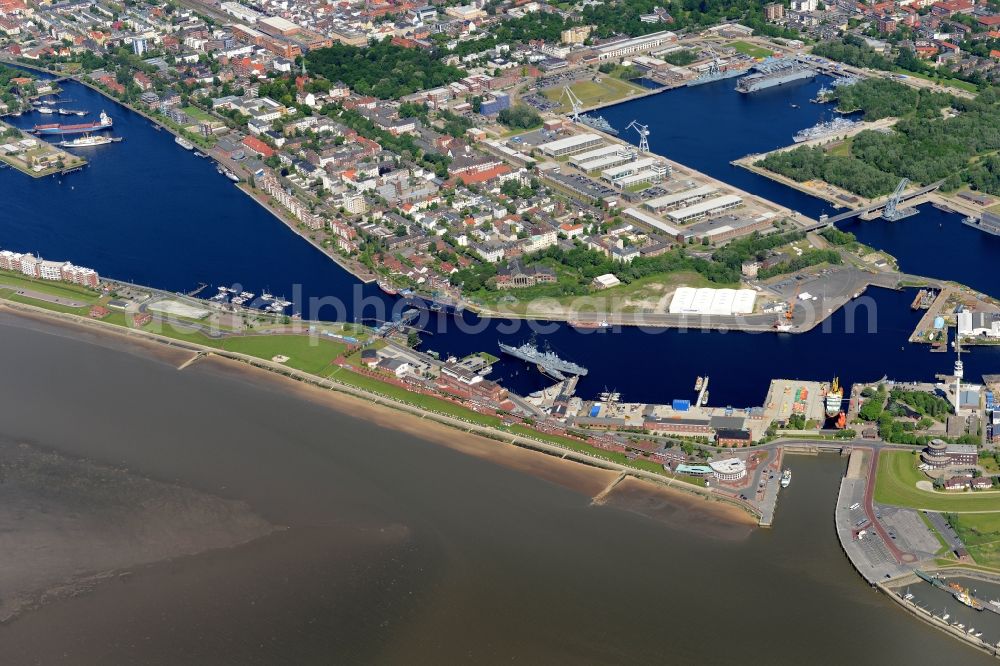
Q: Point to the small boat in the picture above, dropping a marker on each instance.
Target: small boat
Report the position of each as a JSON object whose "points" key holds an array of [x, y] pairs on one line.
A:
{"points": [[704, 399], [786, 478], [698, 383], [995, 602], [266, 297], [184, 143], [71, 112], [45, 109], [198, 153]]}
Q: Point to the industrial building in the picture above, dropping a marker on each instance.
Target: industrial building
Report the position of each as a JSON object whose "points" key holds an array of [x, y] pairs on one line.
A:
{"points": [[680, 198], [617, 172], [707, 207], [705, 301], [571, 144], [654, 222], [628, 47]]}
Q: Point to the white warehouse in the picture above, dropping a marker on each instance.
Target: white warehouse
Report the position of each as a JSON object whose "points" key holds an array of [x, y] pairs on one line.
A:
{"points": [[705, 301]]}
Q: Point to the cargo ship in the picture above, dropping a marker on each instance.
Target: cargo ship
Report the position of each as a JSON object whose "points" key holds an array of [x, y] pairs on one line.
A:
{"points": [[774, 72], [547, 361], [834, 399], [103, 123], [598, 123]]}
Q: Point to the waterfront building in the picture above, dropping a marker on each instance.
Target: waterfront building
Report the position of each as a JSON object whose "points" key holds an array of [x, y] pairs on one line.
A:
{"points": [[707, 301], [939, 454], [730, 469], [627, 47], [571, 144], [517, 276], [707, 207]]}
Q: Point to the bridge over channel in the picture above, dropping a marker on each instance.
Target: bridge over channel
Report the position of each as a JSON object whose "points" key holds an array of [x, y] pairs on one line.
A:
{"points": [[830, 221]]}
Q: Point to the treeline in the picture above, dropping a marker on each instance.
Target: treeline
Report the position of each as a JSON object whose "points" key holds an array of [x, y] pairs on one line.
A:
{"points": [[382, 69], [883, 98], [805, 260], [812, 163], [520, 116], [853, 51], [923, 403], [924, 146]]}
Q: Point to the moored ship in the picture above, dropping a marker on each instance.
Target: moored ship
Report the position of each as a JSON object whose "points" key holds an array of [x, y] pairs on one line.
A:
{"points": [[598, 123], [834, 399], [786, 478], [547, 361], [775, 72], [589, 324], [183, 143], [88, 140], [824, 129], [103, 123], [988, 223]]}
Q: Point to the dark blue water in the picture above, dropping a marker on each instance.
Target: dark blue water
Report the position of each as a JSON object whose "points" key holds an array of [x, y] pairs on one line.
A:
{"points": [[148, 211]]}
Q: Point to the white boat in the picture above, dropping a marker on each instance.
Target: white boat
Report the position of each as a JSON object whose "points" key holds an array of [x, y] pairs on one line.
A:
{"points": [[184, 143], [995, 602], [45, 109], [264, 296], [88, 140], [786, 478]]}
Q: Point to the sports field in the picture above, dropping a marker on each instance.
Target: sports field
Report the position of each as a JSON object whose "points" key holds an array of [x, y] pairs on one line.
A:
{"points": [[751, 50], [896, 483], [980, 532]]}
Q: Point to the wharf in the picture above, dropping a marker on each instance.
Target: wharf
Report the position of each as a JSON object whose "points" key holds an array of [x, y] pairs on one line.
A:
{"points": [[925, 332]]}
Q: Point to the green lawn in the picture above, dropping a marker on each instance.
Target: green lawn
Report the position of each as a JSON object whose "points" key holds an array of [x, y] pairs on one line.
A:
{"points": [[980, 532], [60, 289], [307, 353], [751, 50], [592, 93], [896, 481], [198, 114]]}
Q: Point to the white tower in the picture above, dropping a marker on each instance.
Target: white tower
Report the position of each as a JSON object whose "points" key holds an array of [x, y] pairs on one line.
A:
{"points": [[959, 372]]}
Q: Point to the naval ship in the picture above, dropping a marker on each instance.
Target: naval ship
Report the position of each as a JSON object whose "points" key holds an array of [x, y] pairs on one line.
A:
{"points": [[598, 123], [774, 72], [547, 361]]}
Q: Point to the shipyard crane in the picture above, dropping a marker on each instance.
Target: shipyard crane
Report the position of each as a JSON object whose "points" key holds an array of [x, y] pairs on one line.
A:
{"points": [[574, 102], [643, 131], [790, 312], [891, 211]]}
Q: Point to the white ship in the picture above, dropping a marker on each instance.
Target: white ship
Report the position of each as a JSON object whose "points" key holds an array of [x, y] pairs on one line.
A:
{"points": [[88, 140], [786, 478], [184, 143], [824, 129]]}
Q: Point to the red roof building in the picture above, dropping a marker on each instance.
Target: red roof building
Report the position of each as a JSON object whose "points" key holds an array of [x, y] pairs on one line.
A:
{"points": [[257, 146]]}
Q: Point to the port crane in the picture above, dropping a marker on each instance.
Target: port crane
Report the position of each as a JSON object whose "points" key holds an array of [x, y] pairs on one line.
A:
{"points": [[891, 211], [574, 102], [790, 312], [643, 131]]}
